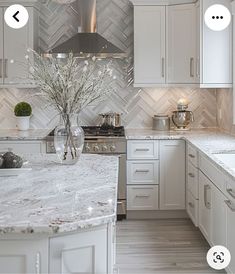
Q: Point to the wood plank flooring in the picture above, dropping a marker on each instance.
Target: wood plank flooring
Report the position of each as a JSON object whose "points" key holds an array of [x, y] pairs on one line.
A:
{"points": [[161, 246]]}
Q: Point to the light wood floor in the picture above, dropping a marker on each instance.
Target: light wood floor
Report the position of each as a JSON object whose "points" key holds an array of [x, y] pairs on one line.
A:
{"points": [[161, 246]]}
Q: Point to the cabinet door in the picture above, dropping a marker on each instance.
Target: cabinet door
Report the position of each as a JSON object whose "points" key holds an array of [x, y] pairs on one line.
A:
{"points": [[16, 43], [205, 205], [181, 44], [218, 217], [172, 175], [149, 45], [216, 51], [84, 252], [1, 45], [230, 213], [24, 256], [23, 147]]}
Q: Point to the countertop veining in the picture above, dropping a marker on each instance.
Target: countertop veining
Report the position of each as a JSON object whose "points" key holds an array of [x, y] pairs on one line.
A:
{"points": [[30, 135], [53, 198]]}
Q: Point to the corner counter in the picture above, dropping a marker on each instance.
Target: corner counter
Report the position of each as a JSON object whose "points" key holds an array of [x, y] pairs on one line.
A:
{"points": [[59, 219]]}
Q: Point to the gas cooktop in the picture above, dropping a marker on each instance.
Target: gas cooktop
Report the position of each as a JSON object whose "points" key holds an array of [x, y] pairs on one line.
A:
{"points": [[97, 131]]}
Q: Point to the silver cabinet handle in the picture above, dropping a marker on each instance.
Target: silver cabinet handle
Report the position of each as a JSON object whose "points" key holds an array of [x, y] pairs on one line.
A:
{"points": [[191, 67], [142, 149], [191, 205], [1, 68], [198, 68], [163, 67], [207, 204], [142, 196], [141, 171], [191, 156], [38, 263], [191, 175], [229, 204], [5, 68], [231, 193]]}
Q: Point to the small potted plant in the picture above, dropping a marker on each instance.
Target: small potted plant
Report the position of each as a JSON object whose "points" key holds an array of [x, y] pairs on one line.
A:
{"points": [[23, 112]]}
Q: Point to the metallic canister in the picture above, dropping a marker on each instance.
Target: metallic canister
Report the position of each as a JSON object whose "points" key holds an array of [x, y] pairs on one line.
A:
{"points": [[161, 122]]}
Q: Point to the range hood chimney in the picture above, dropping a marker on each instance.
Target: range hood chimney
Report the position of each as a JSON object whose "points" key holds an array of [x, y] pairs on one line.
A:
{"points": [[87, 42]]}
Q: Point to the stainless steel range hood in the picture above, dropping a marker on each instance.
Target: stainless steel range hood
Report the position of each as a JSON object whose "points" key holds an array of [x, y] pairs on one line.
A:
{"points": [[87, 41]]}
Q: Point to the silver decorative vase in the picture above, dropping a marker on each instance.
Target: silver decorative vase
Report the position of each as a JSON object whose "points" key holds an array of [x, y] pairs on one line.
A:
{"points": [[69, 139]]}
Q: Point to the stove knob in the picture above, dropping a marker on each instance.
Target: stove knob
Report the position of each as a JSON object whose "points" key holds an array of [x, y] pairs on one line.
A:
{"points": [[113, 148], [104, 148], [87, 148], [96, 148]]}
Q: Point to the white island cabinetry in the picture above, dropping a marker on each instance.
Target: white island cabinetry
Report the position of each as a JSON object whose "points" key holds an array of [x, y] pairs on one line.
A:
{"points": [[61, 228]]}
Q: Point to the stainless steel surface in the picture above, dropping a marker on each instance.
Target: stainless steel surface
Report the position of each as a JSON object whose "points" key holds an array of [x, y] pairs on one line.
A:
{"points": [[161, 123], [191, 67], [87, 41], [182, 119], [163, 67], [5, 68], [111, 119], [1, 68]]}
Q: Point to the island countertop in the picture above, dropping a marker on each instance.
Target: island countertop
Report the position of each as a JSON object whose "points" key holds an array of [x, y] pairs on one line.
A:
{"points": [[53, 198]]}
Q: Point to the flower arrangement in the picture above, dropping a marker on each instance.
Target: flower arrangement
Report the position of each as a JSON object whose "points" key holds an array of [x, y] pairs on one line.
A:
{"points": [[70, 85]]}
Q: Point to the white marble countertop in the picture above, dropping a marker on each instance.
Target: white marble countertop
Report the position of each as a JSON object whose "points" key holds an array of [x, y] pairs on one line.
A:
{"points": [[53, 198], [207, 141], [16, 135]]}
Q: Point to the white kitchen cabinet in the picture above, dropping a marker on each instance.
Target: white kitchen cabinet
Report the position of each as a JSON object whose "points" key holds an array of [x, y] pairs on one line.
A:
{"points": [[192, 207], [24, 256], [172, 175], [23, 147], [149, 45], [181, 44], [216, 51], [205, 206], [84, 252], [142, 197], [1, 46], [218, 217], [14, 44], [142, 149]]}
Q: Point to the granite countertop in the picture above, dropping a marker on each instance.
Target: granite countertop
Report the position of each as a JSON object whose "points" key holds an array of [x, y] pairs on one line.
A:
{"points": [[30, 135], [207, 141], [53, 198]]}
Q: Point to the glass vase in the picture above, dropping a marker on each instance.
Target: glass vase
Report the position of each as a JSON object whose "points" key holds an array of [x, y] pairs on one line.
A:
{"points": [[69, 139]]}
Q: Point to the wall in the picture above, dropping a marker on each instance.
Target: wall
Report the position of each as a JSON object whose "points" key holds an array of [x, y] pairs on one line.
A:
{"points": [[225, 107], [115, 22]]}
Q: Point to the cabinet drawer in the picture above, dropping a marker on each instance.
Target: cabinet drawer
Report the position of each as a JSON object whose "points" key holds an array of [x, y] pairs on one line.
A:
{"points": [[139, 172], [142, 150], [212, 172], [192, 208], [192, 180], [142, 197], [21, 147], [192, 155]]}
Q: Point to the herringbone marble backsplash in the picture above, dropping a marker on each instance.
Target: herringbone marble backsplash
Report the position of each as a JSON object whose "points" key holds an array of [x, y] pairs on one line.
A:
{"points": [[115, 22]]}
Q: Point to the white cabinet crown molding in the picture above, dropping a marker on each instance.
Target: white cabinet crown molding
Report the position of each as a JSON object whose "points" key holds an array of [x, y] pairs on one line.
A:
{"points": [[160, 2]]}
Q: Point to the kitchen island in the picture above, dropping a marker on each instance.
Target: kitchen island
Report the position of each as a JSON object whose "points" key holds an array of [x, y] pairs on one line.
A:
{"points": [[59, 219]]}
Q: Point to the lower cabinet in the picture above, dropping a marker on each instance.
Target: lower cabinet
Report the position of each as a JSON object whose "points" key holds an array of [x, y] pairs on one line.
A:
{"points": [[22, 147], [86, 251], [192, 208], [142, 197], [205, 205], [24, 256], [79, 253], [172, 175], [230, 241]]}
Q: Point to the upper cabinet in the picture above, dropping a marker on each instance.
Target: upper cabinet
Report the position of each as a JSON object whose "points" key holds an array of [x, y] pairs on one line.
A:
{"points": [[14, 43], [181, 44], [149, 40], [173, 46], [216, 51]]}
